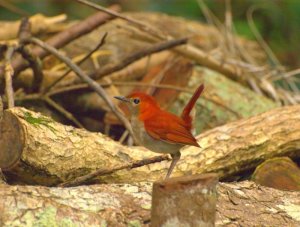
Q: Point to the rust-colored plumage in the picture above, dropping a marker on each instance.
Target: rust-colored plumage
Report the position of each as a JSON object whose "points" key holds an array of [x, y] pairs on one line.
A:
{"points": [[159, 130]]}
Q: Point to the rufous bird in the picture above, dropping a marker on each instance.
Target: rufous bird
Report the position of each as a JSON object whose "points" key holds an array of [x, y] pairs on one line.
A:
{"points": [[158, 130]]}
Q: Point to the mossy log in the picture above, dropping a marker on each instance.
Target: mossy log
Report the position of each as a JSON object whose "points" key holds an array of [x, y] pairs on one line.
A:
{"points": [[238, 204], [38, 150]]}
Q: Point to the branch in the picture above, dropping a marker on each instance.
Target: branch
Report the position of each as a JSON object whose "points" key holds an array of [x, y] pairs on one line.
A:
{"points": [[92, 84], [65, 37], [8, 76], [25, 51], [62, 110], [1, 108], [58, 91], [189, 51], [136, 56], [102, 42], [101, 172], [141, 25]]}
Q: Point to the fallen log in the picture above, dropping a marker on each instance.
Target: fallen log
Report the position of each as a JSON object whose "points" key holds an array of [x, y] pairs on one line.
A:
{"points": [[38, 150], [280, 173], [238, 204]]}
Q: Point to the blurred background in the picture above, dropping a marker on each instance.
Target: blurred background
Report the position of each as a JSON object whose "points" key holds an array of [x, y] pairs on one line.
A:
{"points": [[277, 20]]}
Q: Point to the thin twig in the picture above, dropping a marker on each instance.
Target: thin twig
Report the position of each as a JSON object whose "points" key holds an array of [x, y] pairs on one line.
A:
{"points": [[136, 56], [139, 24], [2, 177], [210, 19], [36, 66], [9, 91], [25, 51], [92, 84], [103, 84], [229, 29], [189, 51], [102, 42], [259, 38], [158, 78], [24, 30], [214, 22], [286, 75], [102, 172], [124, 136], [1, 109], [249, 67], [117, 83], [53, 104], [132, 84], [275, 62], [62, 110]]}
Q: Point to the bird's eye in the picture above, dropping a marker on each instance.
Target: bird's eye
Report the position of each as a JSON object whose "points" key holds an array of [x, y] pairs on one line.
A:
{"points": [[136, 101]]}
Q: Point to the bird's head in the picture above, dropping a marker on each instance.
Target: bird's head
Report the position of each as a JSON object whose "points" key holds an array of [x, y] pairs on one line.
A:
{"points": [[139, 104]]}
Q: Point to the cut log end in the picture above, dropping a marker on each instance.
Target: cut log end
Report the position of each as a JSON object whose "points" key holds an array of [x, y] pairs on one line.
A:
{"points": [[11, 140], [185, 201]]}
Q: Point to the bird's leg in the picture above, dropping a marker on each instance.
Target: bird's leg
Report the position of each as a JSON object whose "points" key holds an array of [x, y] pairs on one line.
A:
{"points": [[175, 159]]}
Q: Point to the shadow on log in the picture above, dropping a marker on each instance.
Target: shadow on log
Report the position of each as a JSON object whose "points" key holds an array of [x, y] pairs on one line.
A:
{"points": [[52, 153]]}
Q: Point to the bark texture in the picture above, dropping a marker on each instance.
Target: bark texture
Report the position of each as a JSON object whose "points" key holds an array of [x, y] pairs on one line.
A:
{"points": [[185, 201], [53, 153], [239, 204], [247, 204]]}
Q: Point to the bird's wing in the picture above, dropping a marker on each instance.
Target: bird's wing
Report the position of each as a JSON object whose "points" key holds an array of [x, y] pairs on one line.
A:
{"points": [[169, 128]]}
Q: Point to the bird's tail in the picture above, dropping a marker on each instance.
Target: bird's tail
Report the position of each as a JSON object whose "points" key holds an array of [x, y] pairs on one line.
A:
{"points": [[186, 116]]}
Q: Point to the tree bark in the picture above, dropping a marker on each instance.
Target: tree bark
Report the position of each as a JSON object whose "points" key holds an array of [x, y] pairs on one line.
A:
{"points": [[238, 204], [247, 204], [51, 153], [185, 201]]}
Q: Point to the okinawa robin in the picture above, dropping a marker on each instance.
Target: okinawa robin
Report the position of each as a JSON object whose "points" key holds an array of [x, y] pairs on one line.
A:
{"points": [[158, 130]]}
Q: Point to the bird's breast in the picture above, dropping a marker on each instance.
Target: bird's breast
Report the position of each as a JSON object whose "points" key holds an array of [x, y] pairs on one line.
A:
{"points": [[155, 145]]}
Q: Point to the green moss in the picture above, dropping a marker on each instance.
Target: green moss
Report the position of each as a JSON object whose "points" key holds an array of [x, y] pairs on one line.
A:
{"points": [[239, 98], [134, 223], [37, 122], [103, 223], [67, 222], [146, 206], [48, 218], [225, 101]]}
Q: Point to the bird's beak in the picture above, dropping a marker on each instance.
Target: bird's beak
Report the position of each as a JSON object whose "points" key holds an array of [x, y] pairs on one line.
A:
{"points": [[122, 98]]}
